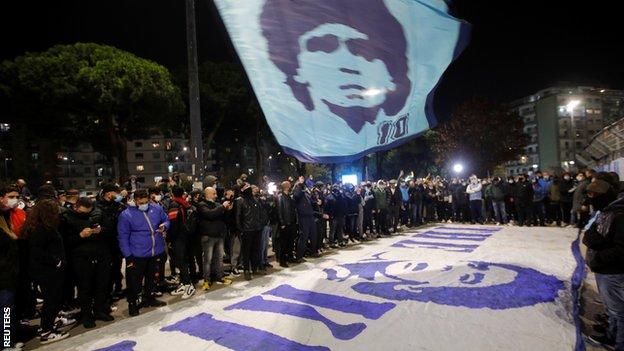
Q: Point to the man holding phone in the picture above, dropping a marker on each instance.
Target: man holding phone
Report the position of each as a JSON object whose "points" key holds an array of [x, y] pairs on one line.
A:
{"points": [[91, 259], [141, 240]]}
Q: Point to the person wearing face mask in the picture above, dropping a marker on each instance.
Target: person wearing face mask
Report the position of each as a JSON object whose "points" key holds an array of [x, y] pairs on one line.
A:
{"points": [[13, 282], [305, 218], [132, 184], [155, 195], [510, 206], [381, 209], [336, 207], [578, 196], [141, 240], [474, 191], [523, 197], [90, 253], [249, 224], [566, 195], [109, 205], [605, 256]]}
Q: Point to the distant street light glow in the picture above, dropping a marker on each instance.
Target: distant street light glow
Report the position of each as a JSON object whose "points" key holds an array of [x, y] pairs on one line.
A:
{"points": [[572, 105], [458, 168]]}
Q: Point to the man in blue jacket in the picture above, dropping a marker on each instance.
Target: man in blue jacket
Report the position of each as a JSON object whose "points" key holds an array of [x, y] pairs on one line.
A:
{"points": [[141, 240]]}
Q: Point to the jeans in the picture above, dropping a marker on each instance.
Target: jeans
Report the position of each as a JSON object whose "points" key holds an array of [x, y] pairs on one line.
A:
{"points": [[250, 250], [611, 289], [416, 213], [264, 244], [539, 213], [476, 210], [213, 257], [337, 225], [307, 231], [499, 211]]}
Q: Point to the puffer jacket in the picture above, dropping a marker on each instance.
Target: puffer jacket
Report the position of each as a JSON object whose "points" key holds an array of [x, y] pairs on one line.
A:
{"points": [[135, 236], [605, 240], [248, 214]]}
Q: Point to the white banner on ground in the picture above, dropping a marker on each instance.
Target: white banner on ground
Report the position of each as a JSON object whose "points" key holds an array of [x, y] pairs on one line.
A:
{"points": [[449, 287]]}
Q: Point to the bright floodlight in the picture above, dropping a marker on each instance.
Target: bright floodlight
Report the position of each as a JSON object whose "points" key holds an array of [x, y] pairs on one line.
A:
{"points": [[349, 179], [572, 104], [458, 168]]}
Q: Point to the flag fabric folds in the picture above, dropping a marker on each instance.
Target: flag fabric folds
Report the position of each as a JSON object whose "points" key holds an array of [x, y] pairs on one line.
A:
{"points": [[337, 80]]}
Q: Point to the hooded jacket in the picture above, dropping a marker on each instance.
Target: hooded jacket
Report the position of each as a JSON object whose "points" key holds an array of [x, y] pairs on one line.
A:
{"points": [[605, 240], [136, 238]]}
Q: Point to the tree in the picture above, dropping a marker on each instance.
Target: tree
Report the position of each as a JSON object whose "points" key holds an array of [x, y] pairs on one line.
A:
{"points": [[225, 97], [91, 92], [481, 134]]}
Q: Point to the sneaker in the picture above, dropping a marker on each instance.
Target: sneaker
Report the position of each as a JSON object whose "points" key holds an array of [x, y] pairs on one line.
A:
{"points": [[172, 279], [190, 291], [206, 286], [113, 308], [236, 272], [52, 336], [224, 281], [601, 339], [157, 294], [284, 264], [179, 291], [61, 322]]}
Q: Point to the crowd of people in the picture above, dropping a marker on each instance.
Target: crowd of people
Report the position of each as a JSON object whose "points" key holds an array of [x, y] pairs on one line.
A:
{"points": [[68, 251]]}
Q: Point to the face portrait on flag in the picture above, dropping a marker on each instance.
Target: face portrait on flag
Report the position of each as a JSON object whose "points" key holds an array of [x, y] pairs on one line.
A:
{"points": [[472, 285], [337, 80], [345, 58]]}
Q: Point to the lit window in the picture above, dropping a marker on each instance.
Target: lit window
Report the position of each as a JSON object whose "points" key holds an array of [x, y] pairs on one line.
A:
{"points": [[168, 145], [5, 127], [155, 144], [140, 168], [34, 156]]}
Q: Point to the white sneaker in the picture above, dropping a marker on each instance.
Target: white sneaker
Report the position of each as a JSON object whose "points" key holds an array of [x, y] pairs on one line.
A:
{"points": [[17, 347], [52, 336], [61, 322], [179, 291], [190, 291]]}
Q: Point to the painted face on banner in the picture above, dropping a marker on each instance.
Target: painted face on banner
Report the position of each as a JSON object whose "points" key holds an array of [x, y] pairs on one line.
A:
{"points": [[348, 79], [337, 79], [472, 285]]}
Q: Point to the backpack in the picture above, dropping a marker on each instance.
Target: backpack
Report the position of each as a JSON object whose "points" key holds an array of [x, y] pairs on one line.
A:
{"points": [[180, 224]]}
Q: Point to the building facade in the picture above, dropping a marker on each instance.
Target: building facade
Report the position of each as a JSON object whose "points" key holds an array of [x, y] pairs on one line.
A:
{"points": [[560, 122]]}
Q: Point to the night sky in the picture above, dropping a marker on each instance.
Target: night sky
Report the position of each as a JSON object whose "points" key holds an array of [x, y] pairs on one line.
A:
{"points": [[517, 46]]}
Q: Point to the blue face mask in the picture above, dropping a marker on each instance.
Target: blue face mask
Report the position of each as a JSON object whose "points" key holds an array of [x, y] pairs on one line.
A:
{"points": [[118, 198], [143, 207]]}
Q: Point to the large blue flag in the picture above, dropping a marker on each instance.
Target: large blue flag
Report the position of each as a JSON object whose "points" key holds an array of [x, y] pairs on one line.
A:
{"points": [[338, 79]]}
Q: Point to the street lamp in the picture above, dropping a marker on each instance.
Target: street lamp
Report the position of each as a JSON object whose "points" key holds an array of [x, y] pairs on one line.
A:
{"points": [[570, 107], [458, 168]]}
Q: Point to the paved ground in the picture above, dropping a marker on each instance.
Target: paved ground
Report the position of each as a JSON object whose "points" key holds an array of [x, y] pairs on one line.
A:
{"points": [[590, 304]]}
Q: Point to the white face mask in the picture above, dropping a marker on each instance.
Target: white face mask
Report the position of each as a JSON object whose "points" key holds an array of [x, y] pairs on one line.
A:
{"points": [[143, 207], [157, 198], [566, 177], [12, 203]]}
